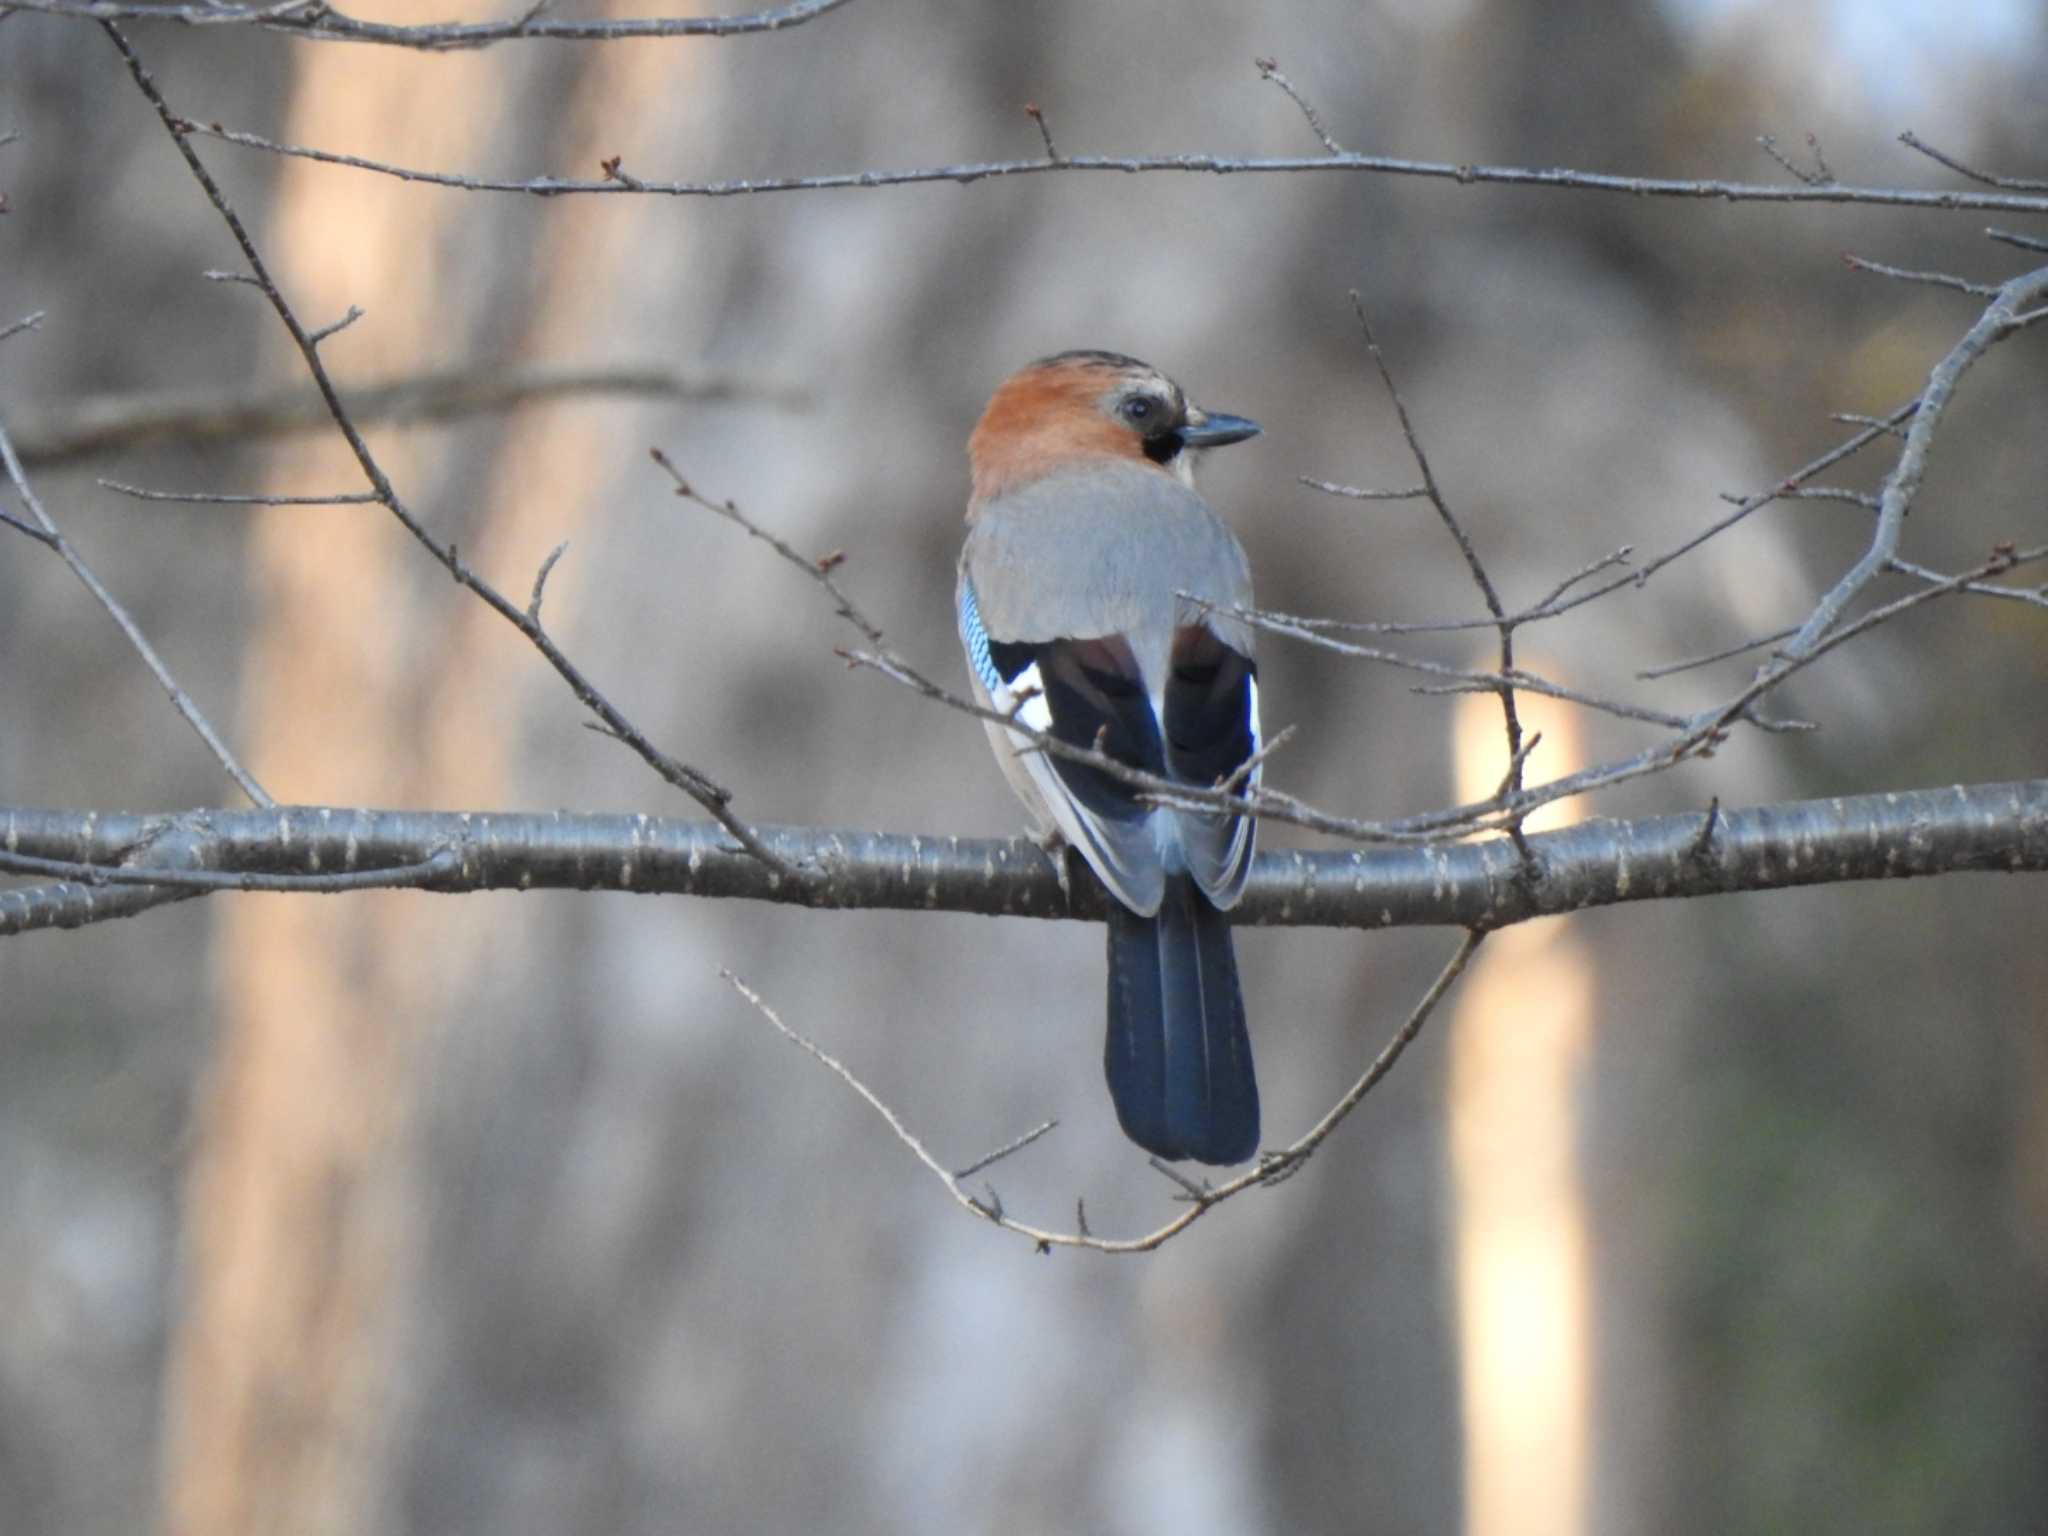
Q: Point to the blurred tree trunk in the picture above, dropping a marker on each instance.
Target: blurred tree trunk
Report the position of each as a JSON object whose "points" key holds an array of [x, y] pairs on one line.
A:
{"points": [[296, 1211], [305, 1218]]}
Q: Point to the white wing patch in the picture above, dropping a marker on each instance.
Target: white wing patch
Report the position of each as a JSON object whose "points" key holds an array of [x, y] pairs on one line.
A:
{"points": [[1223, 881], [1036, 710]]}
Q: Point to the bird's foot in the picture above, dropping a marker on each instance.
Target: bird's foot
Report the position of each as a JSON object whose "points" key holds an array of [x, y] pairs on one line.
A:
{"points": [[1052, 842]]}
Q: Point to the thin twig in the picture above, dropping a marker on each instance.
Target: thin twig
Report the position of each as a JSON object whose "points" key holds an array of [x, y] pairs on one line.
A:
{"points": [[1984, 178], [713, 797], [77, 429], [220, 498], [1820, 177], [1291, 1157], [1468, 679], [1726, 653], [1363, 493], [540, 580], [316, 337], [180, 700], [1191, 1189], [25, 323], [2035, 596], [1269, 69], [1856, 419], [1543, 608], [1036, 113], [1903, 483], [401, 877], [1840, 493], [1857, 263], [1504, 688], [1241, 775], [2022, 242], [1270, 1169], [1189, 164], [1586, 572], [991, 1159], [48, 540]]}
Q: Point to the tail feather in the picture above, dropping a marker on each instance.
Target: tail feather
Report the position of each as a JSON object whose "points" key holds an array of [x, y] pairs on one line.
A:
{"points": [[1178, 1056]]}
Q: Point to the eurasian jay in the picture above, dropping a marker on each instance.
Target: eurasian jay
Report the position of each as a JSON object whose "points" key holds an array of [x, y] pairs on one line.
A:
{"points": [[1096, 603]]}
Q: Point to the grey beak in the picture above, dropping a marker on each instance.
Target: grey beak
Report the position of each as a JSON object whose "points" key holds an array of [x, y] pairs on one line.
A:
{"points": [[1212, 429]]}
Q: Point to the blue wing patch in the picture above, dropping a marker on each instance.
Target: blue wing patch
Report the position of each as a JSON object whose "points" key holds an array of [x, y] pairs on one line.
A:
{"points": [[976, 640]]}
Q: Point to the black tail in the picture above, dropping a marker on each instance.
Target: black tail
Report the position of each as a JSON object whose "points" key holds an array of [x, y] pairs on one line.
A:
{"points": [[1178, 1057]]}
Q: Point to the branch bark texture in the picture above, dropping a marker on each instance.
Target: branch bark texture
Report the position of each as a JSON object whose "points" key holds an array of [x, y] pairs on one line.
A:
{"points": [[1477, 885]]}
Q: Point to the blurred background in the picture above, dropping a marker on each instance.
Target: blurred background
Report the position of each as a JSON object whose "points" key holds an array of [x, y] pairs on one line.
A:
{"points": [[408, 1214]]}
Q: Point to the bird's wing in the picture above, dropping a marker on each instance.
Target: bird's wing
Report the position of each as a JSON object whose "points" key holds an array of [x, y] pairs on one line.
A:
{"points": [[1071, 612], [1087, 693], [1211, 728]]}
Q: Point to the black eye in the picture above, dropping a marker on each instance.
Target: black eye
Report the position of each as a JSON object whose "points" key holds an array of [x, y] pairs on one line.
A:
{"points": [[1139, 410]]}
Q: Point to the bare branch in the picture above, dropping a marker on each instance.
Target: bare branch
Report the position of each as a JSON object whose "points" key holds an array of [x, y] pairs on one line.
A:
{"points": [[401, 877], [1638, 576], [1470, 680], [316, 18], [818, 570], [1504, 686], [48, 540], [1269, 69], [1287, 1161], [25, 323], [1726, 653], [75, 904], [1984, 178], [80, 429], [990, 1159], [1271, 1168], [1191, 164], [714, 798], [1037, 115], [1479, 884], [2037, 596], [1857, 263], [1819, 176], [1903, 483], [2022, 242], [180, 700], [316, 337], [1359, 493], [223, 499], [540, 579]]}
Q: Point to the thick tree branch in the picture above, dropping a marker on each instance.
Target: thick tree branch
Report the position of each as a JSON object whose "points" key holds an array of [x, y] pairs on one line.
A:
{"points": [[1478, 885]]}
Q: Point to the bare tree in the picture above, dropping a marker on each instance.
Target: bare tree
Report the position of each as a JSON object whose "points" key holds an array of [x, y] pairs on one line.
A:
{"points": [[1474, 865]]}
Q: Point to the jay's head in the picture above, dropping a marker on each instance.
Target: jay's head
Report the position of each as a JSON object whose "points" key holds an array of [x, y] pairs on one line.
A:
{"points": [[1075, 407]]}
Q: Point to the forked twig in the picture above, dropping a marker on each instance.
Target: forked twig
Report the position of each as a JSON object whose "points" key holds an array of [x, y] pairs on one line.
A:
{"points": [[1271, 1168], [700, 787]]}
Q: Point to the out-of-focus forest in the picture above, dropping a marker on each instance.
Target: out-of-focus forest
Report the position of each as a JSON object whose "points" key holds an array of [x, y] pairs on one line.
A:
{"points": [[400, 1212]]}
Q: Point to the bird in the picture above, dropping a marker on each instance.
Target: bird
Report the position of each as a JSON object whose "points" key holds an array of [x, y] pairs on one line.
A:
{"points": [[1100, 602]]}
